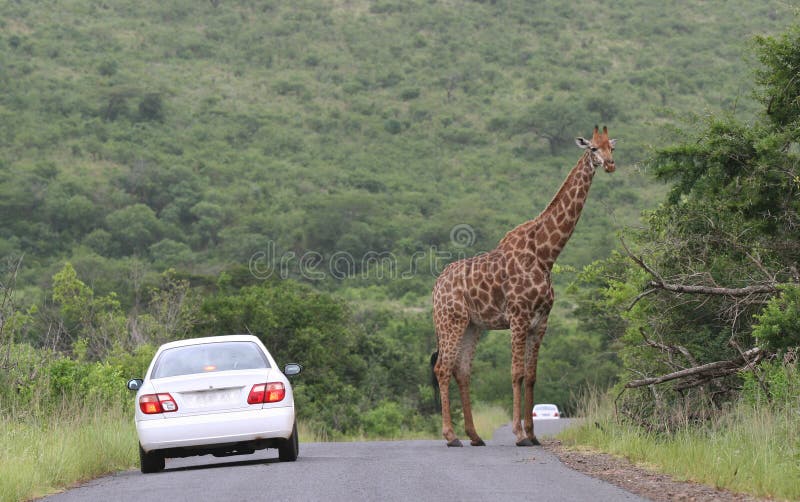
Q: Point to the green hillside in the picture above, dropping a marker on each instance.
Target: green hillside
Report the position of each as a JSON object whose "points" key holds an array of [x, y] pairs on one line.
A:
{"points": [[195, 134], [354, 145]]}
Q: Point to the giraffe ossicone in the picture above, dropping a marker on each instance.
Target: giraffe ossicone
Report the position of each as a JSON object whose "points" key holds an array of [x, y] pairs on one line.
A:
{"points": [[510, 288]]}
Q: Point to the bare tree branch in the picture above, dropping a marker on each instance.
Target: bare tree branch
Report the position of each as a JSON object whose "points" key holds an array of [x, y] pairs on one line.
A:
{"points": [[670, 348], [640, 262], [708, 290], [639, 297], [660, 283], [710, 370]]}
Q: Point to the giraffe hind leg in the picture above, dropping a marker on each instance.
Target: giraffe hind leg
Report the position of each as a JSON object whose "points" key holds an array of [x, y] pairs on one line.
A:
{"points": [[449, 341], [462, 374]]}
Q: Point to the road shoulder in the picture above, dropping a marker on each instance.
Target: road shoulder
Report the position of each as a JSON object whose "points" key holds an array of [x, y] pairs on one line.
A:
{"points": [[645, 483]]}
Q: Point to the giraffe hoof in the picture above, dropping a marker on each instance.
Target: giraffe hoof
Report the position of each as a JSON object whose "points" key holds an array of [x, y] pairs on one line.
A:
{"points": [[454, 443], [535, 441], [477, 442], [525, 442]]}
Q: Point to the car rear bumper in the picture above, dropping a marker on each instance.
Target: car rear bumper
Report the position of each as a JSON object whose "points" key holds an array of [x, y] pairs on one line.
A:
{"points": [[215, 429]]}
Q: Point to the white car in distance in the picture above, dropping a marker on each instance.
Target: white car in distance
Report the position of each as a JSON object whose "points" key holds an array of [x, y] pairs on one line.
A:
{"points": [[221, 395], [545, 411]]}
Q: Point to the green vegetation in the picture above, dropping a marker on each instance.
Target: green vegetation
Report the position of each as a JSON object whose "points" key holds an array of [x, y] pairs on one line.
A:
{"points": [[65, 419], [714, 273], [38, 457], [302, 171], [747, 448], [712, 278]]}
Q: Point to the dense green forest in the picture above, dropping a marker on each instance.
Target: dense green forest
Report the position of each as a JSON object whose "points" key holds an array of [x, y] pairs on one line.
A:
{"points": [[302, 170]]}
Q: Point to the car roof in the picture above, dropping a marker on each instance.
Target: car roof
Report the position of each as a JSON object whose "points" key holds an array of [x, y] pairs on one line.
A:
{"points": [[543, 405], [209, 339]]}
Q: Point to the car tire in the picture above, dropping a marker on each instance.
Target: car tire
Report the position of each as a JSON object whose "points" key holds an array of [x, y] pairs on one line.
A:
{"points": [[289, 448], [150, 462]]}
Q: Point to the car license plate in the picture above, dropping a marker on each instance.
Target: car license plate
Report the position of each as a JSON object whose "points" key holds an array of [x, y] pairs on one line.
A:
{"points": [[211, 398]]}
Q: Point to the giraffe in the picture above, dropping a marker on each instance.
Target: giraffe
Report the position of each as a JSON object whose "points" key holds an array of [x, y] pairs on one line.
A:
{"points": [[509, 287]]}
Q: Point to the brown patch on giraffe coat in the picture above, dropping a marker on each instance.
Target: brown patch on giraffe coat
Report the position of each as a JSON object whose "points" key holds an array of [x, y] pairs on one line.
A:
{"points": [[544, 249]]}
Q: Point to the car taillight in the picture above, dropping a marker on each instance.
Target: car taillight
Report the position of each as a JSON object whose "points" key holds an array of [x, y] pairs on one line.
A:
{"points": [[157, 403], [271, 392], [534, 413], [555, 414]]}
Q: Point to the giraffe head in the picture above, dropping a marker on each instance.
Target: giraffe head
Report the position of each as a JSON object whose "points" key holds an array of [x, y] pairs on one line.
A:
{"points": [[600, 149]]}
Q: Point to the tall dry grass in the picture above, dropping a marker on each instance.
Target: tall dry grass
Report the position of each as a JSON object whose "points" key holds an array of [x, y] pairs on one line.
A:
{"points": [[43, 455], [751, 449]]}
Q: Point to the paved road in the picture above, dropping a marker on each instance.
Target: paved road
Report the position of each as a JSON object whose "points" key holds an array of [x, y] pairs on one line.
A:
{"points": [[379, 471]]}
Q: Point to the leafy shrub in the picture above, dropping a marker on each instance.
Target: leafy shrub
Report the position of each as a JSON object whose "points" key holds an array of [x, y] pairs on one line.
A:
{"points": [[409, 94], [108, 67], [285, 88], [777, 382], [778, 325], [393, 126], [385, 420], [151, 107]]}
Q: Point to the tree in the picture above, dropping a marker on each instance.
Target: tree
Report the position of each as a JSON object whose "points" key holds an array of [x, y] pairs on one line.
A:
{"points": [[151, 107], [780, 88], [98, 320], [134, 228], [556, 121], [715, 272]]}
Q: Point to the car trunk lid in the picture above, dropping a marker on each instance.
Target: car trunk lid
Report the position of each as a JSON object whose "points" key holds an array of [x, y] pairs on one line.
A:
{"points": [[214, 393]]}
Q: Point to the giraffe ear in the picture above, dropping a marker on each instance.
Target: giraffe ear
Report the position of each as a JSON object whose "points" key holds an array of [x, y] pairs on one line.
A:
{"points": [[612, 142], [582, 142]]}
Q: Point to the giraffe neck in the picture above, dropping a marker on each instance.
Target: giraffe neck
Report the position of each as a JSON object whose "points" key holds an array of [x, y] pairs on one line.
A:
{"points": [[558, 220], [549, 232]]}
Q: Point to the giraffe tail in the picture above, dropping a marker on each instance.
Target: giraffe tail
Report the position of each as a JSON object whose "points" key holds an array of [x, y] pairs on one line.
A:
{"points": [[434, 380]]}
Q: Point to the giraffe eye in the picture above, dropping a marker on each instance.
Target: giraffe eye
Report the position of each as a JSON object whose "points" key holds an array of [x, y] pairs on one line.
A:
{"points": [[594, 148]]}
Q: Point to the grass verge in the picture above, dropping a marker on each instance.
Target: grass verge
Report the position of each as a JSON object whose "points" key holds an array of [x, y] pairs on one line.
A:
{"points": [[748, 449], [38, 457], [488, 418]]}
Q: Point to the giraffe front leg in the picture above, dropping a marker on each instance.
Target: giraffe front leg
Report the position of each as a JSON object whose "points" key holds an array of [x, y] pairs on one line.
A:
{"points": [[517, 375], [531, 362]]}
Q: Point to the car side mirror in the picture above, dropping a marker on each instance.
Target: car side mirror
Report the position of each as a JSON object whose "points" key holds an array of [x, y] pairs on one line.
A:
{"points": [[292, 369], [135, 384]]}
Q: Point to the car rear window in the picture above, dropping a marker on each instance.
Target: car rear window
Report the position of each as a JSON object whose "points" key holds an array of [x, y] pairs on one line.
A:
{"points": [[208, 358]]}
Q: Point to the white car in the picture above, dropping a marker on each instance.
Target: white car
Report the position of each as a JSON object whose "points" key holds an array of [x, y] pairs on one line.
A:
{"points": [[222, 395], [545, 411]]}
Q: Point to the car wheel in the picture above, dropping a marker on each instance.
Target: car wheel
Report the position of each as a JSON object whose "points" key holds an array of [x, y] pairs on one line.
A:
{"points": [[150, 462], [289, 448]]}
